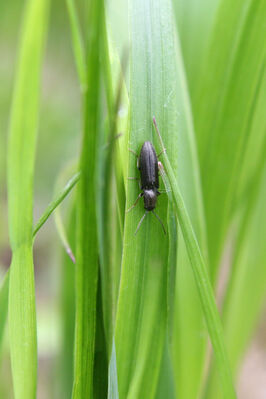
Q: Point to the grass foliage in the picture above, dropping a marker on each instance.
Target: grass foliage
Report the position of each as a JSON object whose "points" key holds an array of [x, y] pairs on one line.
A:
{"points": [[137, 311]]}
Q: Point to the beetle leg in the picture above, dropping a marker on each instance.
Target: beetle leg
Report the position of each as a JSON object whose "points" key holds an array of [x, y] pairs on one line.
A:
{"points": [[162, 152], [117, 136], [163, 191], [135, 203], [133, 152], [135, 178]]}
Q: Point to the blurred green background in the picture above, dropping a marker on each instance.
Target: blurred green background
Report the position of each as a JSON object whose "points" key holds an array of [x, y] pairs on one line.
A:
{"points": [[58, 144]]}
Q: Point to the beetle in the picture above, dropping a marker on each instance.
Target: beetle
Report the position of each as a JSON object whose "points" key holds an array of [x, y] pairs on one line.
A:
{"points": [[149, 178]]}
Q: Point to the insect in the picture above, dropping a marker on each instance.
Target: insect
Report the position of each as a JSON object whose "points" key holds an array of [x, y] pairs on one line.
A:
{"points": [[149, 178]]}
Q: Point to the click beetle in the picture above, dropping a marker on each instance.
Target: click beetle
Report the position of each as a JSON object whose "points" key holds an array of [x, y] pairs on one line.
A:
{"points": [[149, 178]]}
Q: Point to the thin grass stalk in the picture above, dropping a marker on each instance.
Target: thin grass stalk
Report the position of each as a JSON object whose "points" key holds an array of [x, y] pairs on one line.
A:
{"points": [[87, 246]]}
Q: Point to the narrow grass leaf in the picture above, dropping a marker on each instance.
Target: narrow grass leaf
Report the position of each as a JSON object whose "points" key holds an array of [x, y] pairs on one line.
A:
{"points": [[21, 154], [77, 42], [87, 246], [67, 307], [3, 305], [108, 204]]}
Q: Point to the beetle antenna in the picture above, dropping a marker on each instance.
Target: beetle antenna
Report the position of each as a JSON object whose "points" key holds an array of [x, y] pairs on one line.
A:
{"points": [[155, 214], [140, 222]]}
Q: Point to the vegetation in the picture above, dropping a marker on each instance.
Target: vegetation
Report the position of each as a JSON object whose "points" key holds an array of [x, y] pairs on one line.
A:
{"points": [[120, 315]]}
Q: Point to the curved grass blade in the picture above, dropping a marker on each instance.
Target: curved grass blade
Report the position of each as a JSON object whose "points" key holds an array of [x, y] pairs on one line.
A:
{"points": [[87, 246], [202, 281], [21, 154], [57, 201]]}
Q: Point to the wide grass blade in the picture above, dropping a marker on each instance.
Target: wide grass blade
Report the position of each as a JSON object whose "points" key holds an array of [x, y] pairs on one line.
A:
{"points": [[142, 305], [157, 79], [87, 246], [203, 283], [21, 154]]}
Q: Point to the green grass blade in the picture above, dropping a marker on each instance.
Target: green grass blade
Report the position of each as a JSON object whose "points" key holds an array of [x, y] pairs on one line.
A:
{"points": [[87, 247], [21, 154], [194, 19], [100, 377], [225, 108], [157, 87], [246, 291], [57, 201], [203, 283], [143, 297], [67, 306], [112, 376], [77, 43], [255, 147], [189, 330], [3, 305]]}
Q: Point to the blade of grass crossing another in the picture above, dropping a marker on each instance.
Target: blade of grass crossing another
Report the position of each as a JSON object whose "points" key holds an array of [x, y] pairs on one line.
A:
{"points": [[202, 280], [87, 246], [56, 202], [21, 155]]}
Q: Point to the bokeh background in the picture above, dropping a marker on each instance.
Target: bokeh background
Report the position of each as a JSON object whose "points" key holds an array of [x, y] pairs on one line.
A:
{"points": [[58, 145]]}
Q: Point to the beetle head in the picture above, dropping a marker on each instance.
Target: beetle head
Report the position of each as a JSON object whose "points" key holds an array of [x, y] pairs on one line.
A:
{"points": [[150, 199]]}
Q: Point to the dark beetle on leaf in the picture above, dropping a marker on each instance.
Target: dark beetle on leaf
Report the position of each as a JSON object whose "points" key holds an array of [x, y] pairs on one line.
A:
{"points": [[149, 178]]}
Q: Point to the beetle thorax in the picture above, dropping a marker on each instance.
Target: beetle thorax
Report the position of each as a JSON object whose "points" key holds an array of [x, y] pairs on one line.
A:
{"points": [[150, 198]]}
